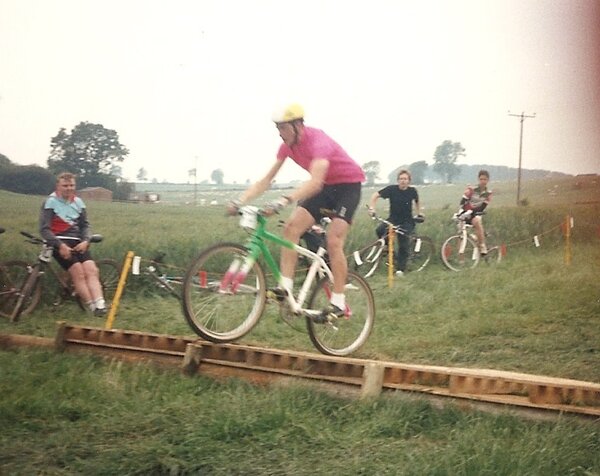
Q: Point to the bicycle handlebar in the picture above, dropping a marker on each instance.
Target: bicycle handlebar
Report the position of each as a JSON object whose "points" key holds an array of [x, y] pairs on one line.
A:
{"points": [[96, 238]]}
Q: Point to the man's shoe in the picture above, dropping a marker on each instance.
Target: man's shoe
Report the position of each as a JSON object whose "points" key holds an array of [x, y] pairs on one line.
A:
{"points": [[329, 314], [100, 312], [277, 294], [399, 273], [483, 250]]}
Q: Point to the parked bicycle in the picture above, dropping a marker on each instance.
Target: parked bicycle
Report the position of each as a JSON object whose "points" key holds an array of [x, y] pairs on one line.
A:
{"points": [[155, 270], [421, 250], [225, 292], [461, 251], [21, 286]]}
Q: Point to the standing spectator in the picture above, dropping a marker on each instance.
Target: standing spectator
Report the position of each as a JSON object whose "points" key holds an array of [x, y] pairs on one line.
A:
{"points": [[401, 197]]}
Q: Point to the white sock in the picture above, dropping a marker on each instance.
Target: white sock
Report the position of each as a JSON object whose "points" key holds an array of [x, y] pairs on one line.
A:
{"points": [[288, 283], [91, 305], [338, 300], [100, 303]]}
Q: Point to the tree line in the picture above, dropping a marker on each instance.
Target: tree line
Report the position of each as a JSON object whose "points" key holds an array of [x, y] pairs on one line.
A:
{"points": [[93, 153]]}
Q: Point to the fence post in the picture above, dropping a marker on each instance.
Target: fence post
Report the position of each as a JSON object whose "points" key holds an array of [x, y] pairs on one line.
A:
{"points": [[390, 256], [115, 302], [568, 240]]}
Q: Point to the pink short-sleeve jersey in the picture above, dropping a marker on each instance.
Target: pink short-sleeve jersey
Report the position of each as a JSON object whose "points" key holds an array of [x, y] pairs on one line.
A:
{"points": [[315, 144]]}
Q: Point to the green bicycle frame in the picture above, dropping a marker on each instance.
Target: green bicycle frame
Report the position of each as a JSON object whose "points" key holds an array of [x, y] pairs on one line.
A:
{"points": [[257, 246]]}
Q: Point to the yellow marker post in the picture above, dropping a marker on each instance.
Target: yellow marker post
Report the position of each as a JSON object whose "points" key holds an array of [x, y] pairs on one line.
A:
{"points": [[568, 241], [390, 255], [115, 304]]}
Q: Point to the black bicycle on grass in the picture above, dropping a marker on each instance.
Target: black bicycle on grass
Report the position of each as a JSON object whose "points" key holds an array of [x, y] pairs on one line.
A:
{"points": [[160, 273], [21, 283]]}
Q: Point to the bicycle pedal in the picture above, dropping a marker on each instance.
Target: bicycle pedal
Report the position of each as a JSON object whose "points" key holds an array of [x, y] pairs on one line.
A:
{"points": [[276, 294]]}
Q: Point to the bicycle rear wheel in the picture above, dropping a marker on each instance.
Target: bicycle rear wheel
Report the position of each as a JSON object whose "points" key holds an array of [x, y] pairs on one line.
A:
{"points": [[421, 251], [212, 305], [13, 276], [367, 259], [458, 257], [349, 333]]}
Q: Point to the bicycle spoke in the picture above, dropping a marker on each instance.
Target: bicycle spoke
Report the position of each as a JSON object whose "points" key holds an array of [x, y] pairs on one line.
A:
{"points": [[349, 333], [217, 306]]}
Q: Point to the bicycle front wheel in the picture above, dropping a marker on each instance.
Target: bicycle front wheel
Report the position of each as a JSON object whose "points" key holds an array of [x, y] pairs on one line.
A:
{"points": [[217, 304], [13, 276], [421, 251], [109, 274], [367, 259], [459, 255], [493, 256], [347, 334]]}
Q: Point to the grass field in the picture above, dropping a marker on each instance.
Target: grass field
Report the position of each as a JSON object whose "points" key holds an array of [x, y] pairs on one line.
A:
{"points": [[63, 414]]}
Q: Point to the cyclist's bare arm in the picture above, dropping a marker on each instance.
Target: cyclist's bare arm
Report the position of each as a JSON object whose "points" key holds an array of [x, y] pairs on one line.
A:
{"points": [[318, 171], [258, 188]]}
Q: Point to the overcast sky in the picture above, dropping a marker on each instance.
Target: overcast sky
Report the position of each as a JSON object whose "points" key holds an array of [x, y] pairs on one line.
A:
{"points": [[193, 83]]}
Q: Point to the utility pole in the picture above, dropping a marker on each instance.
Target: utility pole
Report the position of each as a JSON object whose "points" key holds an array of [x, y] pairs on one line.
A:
{"points": [[523, 116], [195, 180]]}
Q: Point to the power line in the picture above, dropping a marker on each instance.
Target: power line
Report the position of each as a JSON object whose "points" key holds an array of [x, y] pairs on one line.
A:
{"points": [[523, 116]]}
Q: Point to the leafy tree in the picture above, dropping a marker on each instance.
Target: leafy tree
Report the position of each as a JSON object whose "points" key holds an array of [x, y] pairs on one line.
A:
{"points": [[123, 190], [371, 170], [116, 171], [445, 157], [4, 161], [142, 174], [89, 151], [217, 176], [27, 179], [417, 170]]}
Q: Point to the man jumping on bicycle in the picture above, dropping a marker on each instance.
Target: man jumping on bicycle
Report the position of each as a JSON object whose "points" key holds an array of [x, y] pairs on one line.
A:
{"points": [[401, 197], [334, 184], [65, 227], [474, 200]]}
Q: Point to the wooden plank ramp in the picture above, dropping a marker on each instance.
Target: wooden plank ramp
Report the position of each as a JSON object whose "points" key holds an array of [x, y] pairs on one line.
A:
{"points": [[368, 377]]}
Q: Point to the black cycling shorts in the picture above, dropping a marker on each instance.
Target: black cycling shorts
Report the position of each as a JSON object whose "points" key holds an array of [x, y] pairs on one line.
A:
{"points": [[75, 257], [339, 201]]}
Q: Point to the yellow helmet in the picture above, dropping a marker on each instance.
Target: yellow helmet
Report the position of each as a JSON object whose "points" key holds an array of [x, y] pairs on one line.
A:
{"points": [[289, 113]]}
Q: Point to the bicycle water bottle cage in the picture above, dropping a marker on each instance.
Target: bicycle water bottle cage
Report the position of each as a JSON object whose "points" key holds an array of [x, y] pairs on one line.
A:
{"points": [[46, 254], [248, 220]]}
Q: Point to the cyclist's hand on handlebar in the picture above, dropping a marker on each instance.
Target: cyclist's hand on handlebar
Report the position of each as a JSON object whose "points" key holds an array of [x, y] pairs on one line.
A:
{"points": [[463, 215], [233, 207], [275, 206]]}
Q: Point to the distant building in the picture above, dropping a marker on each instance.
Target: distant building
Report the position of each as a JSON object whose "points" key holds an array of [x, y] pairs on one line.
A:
{"points": [[144, 197], [95, 193]]}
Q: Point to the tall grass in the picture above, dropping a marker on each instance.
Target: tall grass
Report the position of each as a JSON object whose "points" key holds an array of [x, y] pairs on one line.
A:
{"points": [[68, 414], [531, 313]]}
